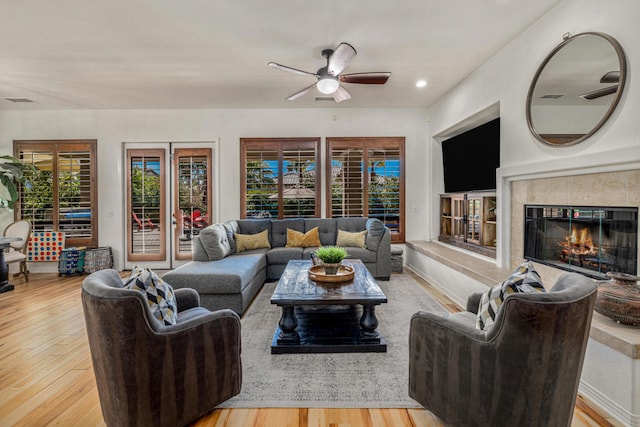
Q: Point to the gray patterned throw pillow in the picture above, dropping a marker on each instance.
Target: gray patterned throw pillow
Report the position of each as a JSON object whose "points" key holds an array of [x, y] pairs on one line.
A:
{"points": [[158, 293]]}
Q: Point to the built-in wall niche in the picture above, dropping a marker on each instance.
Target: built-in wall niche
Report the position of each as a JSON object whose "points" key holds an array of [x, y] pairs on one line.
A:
{"points": [[587, 240], [468, 220], [470, 159]]}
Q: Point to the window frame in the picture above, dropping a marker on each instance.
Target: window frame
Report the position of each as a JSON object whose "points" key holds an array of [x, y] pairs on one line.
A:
{"points": [[279, 145], [178, 153], [366, 144], [55, 147]]}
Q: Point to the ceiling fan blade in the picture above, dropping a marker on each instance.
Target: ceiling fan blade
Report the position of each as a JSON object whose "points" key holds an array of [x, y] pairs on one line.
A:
{"points": [[611, 77], [365, 78], [290, 69], [341, 94], [599, 93], [340, 58], [300, 93]]}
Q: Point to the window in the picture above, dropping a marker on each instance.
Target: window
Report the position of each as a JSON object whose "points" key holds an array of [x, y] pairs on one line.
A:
{"points": [[192, 195], [366, 178], [62, 192], [146, 195], [279, 178]]}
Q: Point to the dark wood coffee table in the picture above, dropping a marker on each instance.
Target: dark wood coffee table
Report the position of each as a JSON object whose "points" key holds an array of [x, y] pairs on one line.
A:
{"points": [[324, 317]]}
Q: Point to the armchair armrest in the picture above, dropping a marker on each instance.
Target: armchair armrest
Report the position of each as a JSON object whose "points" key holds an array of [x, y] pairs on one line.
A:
{"points": [[186, 298], [219, 319], [473, 302], [441, 351], [462, 324]]}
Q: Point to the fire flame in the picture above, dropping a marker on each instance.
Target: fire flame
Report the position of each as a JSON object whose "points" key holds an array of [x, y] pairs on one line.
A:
{"points": [[580, 241]]}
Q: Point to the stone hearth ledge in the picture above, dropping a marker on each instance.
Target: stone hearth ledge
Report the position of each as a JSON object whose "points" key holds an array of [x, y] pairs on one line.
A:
{"points": [[622, 338]]}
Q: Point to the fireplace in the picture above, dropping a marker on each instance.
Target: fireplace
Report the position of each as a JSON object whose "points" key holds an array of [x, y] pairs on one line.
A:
{"points": [[587, 240]]}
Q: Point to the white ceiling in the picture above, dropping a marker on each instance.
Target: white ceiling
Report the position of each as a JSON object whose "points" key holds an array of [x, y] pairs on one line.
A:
{"points": [[90, 54]]}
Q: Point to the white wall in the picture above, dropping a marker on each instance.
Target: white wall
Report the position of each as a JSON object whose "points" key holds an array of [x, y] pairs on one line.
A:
{"points": [[505, 80], [111, 128]]}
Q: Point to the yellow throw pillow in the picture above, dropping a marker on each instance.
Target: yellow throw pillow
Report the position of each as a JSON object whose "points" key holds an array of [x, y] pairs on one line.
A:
{"points": [[296, 239], [346, 238], [247, 242]]}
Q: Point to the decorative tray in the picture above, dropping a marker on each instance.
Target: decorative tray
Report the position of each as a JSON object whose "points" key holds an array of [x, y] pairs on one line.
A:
{"points": [[344, 274]]}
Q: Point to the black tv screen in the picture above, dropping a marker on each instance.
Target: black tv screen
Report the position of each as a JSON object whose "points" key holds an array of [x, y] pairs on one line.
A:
{"points": [[470, 159]]}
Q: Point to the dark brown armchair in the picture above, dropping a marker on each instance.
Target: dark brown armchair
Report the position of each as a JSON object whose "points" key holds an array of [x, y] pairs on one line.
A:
{"points": [[151, 374], [523, 371]]}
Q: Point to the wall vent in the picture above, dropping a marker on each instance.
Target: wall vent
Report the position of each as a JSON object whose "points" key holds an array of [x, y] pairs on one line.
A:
{"points": [[19, 100]]}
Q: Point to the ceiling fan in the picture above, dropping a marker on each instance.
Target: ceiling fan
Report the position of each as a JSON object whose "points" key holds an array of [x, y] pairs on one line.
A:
{"points": [[610, 77], [329, 77]]}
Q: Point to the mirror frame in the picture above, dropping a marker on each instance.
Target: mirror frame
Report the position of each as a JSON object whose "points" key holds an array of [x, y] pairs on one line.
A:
{"points": [[622, 60]]}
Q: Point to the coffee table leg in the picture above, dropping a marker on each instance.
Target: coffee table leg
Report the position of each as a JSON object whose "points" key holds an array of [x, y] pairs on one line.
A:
{"points": [[288, 324], [368, 322]]}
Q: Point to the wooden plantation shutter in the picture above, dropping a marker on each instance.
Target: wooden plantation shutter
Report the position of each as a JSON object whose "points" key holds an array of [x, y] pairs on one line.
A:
{"points": [[366, 178], [62, 192], [280, 177]]}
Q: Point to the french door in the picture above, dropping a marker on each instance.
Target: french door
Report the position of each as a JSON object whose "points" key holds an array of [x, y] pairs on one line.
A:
{"points": [[170, 197]]}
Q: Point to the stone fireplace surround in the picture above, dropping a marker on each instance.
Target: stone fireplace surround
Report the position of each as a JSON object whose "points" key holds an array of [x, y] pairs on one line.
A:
{"points": [[611, 373], [611, 376]]}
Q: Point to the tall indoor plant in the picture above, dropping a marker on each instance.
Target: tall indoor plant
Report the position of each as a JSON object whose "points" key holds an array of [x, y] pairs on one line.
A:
{"points": [[12, 173]]}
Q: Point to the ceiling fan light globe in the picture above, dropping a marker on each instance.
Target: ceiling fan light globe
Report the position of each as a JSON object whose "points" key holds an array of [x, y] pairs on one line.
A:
{"points": [[327, 86]]}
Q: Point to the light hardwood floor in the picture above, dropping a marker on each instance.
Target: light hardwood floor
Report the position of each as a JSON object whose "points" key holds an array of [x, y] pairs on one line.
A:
{"points": [[46, 377]]}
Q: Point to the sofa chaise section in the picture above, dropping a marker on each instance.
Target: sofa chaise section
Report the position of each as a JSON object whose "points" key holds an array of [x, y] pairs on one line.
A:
{"points": [[231, 282]]}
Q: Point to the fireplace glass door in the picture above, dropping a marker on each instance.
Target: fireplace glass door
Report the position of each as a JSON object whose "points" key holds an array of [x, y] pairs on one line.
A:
{"points": [[587, 240]]}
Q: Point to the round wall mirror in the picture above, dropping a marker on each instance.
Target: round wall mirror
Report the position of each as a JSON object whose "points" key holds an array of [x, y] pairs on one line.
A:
{"points": [[576, 89]]}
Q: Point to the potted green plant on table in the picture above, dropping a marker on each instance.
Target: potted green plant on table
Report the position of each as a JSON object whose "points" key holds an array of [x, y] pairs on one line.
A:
{"points": [[331, 257]]}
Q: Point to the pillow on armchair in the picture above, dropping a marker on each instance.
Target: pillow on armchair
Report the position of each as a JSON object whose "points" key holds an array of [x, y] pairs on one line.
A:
{"points": [[523, 279], [158, 293]]}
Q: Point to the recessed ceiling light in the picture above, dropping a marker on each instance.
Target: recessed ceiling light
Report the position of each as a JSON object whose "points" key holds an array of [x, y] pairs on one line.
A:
{"points": [[421, 83]]}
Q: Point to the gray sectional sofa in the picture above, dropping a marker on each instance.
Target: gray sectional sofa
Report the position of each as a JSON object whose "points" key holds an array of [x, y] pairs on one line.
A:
{"points": [[226, 278]]}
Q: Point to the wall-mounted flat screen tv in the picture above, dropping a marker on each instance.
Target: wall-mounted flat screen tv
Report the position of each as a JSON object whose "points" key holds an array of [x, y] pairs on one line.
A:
{"points": [[470, 159]]}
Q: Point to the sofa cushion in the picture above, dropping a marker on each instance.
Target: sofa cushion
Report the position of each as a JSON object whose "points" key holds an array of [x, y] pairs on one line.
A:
{"points": [[215, 241], [283, 255], [158, 293], [363, 254], [523, 279], [279, 229], [296, 239], [327, 229], [231, 227], [247, 242], [253, 226], [229, 275], [375, 232], [351, 224], [346, 238]]}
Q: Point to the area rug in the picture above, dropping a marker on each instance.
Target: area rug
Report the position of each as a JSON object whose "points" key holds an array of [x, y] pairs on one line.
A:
{"points": [[337, 380]]}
